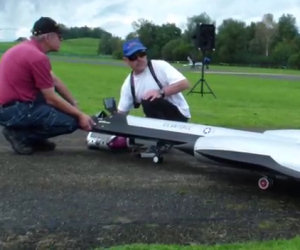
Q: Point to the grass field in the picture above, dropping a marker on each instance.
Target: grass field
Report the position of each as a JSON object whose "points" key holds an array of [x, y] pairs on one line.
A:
{"points": [[242, 102], [292, 244], [82, 46], [85, 47], [6, 45]]}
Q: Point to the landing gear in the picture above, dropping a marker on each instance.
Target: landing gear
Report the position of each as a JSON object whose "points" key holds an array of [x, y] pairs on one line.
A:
{"points": [[265, 183], [157, 159], [155, 152]]}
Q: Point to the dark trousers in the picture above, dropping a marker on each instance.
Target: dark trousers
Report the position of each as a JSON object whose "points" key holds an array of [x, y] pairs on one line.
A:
{"points": [[34, 121], [162, 109]]}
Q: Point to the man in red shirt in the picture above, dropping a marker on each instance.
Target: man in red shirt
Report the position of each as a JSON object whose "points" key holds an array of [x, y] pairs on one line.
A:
{"points": [[34, 104]]}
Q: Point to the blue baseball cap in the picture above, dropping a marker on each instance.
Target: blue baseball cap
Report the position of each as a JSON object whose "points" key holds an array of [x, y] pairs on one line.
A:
{"points": [[132, 46]]}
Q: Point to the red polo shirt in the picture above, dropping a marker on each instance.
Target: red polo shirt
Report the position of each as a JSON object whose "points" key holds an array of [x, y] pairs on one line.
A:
{"points": [[24, 70]]}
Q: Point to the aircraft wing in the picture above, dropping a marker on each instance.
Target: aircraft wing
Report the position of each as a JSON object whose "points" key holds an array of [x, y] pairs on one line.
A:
{"points": [[145, 128], [270, 153]]}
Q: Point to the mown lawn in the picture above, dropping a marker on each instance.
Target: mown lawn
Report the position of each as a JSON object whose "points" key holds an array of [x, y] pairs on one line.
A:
{"points": [[292, 244], [242, 101]]}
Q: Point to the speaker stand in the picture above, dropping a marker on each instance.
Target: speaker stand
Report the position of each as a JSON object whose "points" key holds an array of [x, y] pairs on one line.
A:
{"points": [[202, 81]]}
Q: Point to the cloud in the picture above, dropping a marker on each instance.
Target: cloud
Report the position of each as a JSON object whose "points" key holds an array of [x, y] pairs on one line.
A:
{"points": [[116, 16]]}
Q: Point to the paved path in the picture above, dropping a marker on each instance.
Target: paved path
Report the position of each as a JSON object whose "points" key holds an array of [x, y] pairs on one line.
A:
{"points": [[74, 198]]}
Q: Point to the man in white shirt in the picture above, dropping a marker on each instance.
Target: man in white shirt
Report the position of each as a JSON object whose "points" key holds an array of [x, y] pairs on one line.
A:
{"points": [[157, 87]]}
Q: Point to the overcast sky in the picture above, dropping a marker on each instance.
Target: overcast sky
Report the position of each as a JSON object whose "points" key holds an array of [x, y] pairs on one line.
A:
{"points": [[116, 16]]}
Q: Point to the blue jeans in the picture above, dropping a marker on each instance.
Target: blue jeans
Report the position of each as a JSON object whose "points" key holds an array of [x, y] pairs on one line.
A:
{"points": [[35, 121], [162, 109]]}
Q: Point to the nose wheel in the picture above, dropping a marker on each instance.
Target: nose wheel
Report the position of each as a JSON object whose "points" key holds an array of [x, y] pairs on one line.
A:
{"points": [[265, 183], [154, 153]]}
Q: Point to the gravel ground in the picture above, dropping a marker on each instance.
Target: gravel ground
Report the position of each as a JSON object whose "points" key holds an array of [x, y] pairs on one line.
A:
{"points": [[75, 198]]}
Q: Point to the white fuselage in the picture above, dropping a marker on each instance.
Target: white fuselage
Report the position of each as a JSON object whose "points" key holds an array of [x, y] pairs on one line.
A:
{"points": [[276, 150], [283, 146]]}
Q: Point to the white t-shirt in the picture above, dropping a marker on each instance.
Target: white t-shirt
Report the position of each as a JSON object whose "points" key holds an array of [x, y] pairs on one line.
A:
{"points": [[144, 82]]}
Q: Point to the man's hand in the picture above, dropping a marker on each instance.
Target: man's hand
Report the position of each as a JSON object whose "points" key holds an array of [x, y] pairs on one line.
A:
{"points": [[152, 95], [86, 122], [169, 90]]}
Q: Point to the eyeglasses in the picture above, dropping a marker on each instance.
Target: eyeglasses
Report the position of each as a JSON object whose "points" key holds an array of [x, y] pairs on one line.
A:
{"points": [[136, 55]]}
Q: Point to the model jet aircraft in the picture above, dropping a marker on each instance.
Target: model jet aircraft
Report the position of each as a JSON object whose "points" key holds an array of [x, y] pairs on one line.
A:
{"points": [[272, 152]]}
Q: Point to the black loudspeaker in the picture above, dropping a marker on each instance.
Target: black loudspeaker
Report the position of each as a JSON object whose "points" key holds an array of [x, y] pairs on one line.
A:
{"points": [[205, 36]]}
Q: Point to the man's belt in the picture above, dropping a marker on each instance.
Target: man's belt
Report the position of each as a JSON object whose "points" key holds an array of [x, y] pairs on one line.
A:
{"points": [[13, 103]]}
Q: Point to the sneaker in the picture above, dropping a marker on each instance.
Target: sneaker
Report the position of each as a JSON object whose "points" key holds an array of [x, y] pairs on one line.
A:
{"points": [[43, 145], [18, 146]]}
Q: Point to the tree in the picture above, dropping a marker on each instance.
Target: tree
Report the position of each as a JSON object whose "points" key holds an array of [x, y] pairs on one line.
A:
{"points": [[155, 37], [147, 33], [131, 35], [176, 50], [255, 45], [231, 42], [166, 33], [264, 33], [294, 59], [76, 32], [282, 52], [110, 45], [285, 46], [105, 47], [192, 23], [116, 44], [286, 29], [268, 28]]}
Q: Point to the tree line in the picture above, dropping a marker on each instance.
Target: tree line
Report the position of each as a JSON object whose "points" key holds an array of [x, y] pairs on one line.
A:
{"points": [[265, 43]]}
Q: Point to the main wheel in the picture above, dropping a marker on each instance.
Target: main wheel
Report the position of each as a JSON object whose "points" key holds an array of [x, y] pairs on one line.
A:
{"points": [[157, 159], [265, 182]]}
